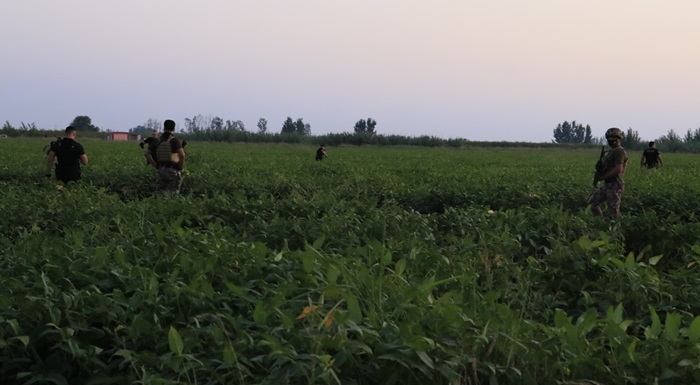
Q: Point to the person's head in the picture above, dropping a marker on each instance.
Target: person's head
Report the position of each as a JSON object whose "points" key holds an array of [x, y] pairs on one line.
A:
{"points": [[70, 132], [169, 126], [652, 144], [154, 133], [614, 136]]}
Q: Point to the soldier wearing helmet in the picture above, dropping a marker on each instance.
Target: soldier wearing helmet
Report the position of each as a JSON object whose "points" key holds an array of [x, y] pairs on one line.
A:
{"points": [[612, 171]]}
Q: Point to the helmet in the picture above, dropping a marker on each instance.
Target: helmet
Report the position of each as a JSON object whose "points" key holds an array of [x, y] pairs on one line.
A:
{"points": [[614, 133]]}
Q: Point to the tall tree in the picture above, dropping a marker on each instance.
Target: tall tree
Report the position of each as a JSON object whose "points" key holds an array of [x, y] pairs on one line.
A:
{"points": [[572, 133], [371, 124], [262, 126], [360, 126], [631, 138], [692, 136], [289, 127], [84, 123], [365, 126], [302, 128]]}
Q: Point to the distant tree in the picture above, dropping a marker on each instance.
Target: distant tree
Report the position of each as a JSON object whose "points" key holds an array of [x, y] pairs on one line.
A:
{"points": [[302, 128], [371, 124], [588, 137], [146, 128], [572, 133], [692, 136], [84, 123], [289, 127], [671, 142], [360, 126], [365, 126], [631, 139], [140, 129], [262, 126], [216, 124], [670, 137], [234, 125]]}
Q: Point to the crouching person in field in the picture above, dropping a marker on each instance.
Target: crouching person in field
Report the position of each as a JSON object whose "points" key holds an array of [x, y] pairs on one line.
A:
{"points": [[167, 155]]}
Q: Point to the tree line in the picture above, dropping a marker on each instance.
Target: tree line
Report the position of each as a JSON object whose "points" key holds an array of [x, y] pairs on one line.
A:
{"points": [[214, 128]]}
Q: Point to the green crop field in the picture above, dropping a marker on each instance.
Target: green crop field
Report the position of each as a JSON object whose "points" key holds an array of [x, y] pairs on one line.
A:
{"points": [[379, 265]]}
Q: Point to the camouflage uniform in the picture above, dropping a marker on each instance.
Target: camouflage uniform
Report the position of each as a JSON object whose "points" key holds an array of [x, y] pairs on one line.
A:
{"points": [[610, 193], [169, 179]]}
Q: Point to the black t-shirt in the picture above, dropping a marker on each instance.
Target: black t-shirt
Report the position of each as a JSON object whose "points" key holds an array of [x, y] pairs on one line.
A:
{"points": [[651, 154], [68, 153]]}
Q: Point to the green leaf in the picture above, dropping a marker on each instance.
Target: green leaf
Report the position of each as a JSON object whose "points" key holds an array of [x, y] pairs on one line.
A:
{"points": [[695, 330], [354, 311], [319, 242], [386, 259], [655, 323], [332, 274], [175, 341], [400, 266], [23, 339], [426, 360], [672, 326], [229, 355], [654, 260], [260, 313]]}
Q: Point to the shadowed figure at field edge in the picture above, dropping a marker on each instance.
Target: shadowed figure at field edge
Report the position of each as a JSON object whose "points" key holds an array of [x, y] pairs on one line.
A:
{"points": [[321, 152], [69, 155], [167, 155], [651, 157], [610, 169]]}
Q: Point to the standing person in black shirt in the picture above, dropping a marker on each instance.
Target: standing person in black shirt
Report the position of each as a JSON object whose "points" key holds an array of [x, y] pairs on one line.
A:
{"points": [[69, 155], [651, 157], [145, 143]]}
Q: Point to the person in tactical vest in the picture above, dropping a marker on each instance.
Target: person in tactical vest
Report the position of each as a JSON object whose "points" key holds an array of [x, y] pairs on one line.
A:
{"points": [[612, 169], [167, 155], [651, 157], [68, 155]]}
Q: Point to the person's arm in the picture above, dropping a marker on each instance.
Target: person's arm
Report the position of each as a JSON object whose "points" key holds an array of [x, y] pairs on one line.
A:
{"points": [[84, 159], [181, 156], [642, 161], [49, 164], [149, 158], [615, 171], [661, 162]]}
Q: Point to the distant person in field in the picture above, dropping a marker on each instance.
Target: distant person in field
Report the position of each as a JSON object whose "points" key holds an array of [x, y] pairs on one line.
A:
{"points": [[321, 153], [167, 155], [651, 157], [150, 140], [68, 155], [613, 169]]}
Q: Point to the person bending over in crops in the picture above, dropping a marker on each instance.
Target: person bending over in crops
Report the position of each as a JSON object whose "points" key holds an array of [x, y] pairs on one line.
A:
{"points": [[321, 153], [68, 155], [167, 155], [651, 157], [612, 169]]}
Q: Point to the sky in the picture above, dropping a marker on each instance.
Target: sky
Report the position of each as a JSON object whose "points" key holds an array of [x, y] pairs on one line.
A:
{"points": [[496, 70]]}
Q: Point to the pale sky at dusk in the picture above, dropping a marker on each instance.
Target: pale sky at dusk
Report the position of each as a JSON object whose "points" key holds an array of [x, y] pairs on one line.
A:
{"points": [[481, 70]]}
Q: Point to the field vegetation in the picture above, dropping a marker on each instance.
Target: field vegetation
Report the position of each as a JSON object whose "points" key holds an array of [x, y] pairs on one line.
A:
{"points": [[378, 265]]}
